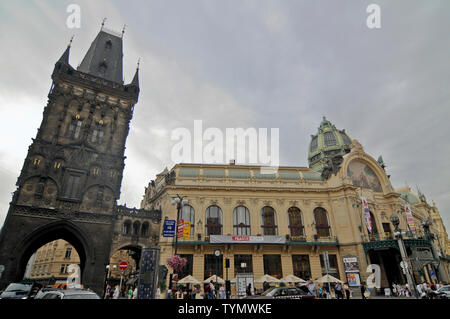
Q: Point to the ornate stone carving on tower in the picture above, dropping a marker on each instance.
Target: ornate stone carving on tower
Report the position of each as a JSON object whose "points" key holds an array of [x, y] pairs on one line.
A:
{"points": [[72, 174]]}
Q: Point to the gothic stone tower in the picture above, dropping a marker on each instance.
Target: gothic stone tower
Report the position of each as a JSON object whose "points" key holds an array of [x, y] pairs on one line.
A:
{"points": [[72, 174]]}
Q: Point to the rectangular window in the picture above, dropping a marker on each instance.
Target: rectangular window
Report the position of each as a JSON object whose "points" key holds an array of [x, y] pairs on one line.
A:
{"points": [[242, 264], [213, 266], [78, 129], [68, 252], [62, 270], [272, 266], [334, 269], [72, 186], [301, 266]]}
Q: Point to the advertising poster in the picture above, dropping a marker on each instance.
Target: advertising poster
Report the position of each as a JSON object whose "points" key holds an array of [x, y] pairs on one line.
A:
{"points": [[353, 279]]}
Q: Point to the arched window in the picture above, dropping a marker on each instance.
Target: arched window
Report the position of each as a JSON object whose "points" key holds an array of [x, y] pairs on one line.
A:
{"points": [[241, 218], [144, 229], [268, 221], [136, 226], [322, 223], [188, 215], [126, 227], [213, 220], [295, 222]]}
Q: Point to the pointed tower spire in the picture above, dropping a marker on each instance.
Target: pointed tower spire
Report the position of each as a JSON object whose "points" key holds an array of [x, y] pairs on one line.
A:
{"points": [[65, 56], [104, 57], [136, 75]]}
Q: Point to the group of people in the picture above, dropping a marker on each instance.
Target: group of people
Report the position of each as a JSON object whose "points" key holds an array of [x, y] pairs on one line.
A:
{"points": [[114, 293], [424, 289], [210, 291], [341, 291]]}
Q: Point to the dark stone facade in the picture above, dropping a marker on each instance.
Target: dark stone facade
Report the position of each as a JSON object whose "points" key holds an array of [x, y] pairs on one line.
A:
{"points": [[70, 181]]}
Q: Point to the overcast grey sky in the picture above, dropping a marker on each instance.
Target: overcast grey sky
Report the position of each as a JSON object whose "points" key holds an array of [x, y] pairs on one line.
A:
{"points": [[254, 63]]}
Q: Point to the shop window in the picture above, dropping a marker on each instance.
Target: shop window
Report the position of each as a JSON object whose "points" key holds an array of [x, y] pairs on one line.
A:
{"points": [[334, 269], [301, 266], [213, 266], [243, 264], [272, 266]]}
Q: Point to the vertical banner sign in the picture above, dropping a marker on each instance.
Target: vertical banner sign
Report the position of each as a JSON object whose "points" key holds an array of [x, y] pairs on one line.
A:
{"points": [[187, 230], [180, 228], [409, 217], [367, 215], [148, 273]]}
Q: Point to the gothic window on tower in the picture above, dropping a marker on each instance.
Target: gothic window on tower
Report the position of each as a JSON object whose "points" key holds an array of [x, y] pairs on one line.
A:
{"points": [[74, 129], [71, 190], [97, 133]]}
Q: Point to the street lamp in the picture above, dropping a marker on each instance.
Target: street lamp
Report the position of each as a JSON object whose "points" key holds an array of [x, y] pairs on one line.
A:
{"points": [[179, 202], [430, 237], [405, 260]]}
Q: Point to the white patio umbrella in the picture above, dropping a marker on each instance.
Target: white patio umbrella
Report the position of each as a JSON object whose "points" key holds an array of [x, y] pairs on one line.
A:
{"points": [[267, 278], [328, 278], [188, 280], [214, 278], [292, 278]]}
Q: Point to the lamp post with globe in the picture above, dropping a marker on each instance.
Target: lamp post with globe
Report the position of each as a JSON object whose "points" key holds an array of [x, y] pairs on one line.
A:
{"points": [[180, 202], [405, 260]]}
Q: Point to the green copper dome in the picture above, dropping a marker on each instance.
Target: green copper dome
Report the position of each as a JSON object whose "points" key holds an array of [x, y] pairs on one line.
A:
{"points": [[328, 142]]}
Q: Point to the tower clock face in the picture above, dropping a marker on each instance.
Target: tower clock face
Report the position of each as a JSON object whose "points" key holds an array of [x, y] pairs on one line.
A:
{"points": [[217, 252]]}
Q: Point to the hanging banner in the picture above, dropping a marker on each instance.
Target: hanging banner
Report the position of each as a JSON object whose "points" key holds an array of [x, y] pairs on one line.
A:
{"points": [[187, 230], [367, 218], [409, 217], [180, 228]]}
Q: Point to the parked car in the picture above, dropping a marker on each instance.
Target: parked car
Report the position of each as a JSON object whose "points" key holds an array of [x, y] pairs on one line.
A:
{"points": [[444, 291], [21, 290], [300, 292], [69, 294]]}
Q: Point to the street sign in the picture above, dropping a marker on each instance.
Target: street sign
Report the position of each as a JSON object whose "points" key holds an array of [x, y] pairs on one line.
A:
{"points": [[169, 228], [123, 265]]}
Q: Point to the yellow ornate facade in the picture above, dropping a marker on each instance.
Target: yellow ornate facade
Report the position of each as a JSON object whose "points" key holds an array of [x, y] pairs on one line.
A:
{"points": [[282, 223]]}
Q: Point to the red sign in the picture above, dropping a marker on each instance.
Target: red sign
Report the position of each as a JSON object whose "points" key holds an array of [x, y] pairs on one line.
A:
{"points": [[123, 265], [180, 228], [240, 238]]}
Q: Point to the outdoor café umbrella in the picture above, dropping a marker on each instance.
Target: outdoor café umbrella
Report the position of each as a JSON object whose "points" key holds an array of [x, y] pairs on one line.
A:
{"points": [[268, 278], [214, 278], [292, 278], [189, 280], [328, 278]]}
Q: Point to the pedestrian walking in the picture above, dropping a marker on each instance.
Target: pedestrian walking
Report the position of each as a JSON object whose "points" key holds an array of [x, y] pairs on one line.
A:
{"points": [[363, 291], [338, 289], [212, 291], [116, 293], [135, 292], [158, 293], [249, 290], [222, 294], [347, 291], [108, 292], [130, 293]]}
